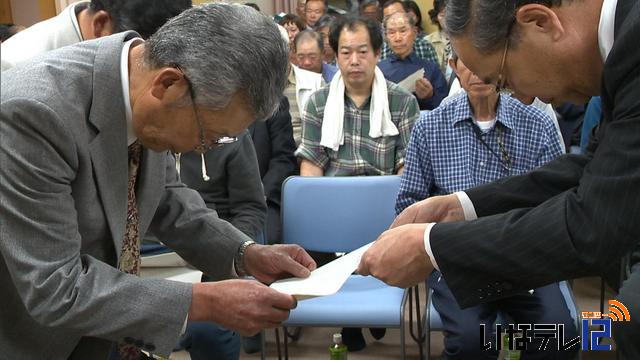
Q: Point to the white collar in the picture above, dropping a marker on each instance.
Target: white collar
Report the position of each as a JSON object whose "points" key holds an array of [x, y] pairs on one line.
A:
{"points": [[124, 77], [606, 27], [74, 17]]}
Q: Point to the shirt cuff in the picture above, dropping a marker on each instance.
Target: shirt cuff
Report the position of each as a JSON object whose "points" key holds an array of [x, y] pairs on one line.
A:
{"points": [[467, 206], [427, 245], [184, 326]]}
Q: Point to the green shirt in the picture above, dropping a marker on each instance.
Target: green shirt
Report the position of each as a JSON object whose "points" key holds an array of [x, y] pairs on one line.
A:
{"points": [[360, 154]]}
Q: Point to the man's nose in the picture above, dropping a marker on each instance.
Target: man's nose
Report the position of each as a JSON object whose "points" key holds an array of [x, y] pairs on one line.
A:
{"points": [[353, 58]]}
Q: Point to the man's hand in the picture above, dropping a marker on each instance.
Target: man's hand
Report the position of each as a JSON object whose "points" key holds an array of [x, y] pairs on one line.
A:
{"points": [[270, 263], [434, 209], [398, 257], [245, 306], [424, 89]]}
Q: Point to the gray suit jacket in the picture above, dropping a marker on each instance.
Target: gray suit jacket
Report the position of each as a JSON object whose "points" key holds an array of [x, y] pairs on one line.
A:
{"points": [[63, 157]]}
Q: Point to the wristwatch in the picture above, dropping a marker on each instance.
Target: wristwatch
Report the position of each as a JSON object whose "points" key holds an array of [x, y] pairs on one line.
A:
{"points": [[239, 258]]}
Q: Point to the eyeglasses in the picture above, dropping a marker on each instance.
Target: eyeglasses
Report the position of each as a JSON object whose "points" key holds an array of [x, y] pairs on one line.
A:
{"points": [[204, 145], [502, 80]]}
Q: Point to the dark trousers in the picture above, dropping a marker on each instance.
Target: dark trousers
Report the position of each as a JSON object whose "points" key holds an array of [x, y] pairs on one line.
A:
{"points": [[462, 326], [206, 340], [627, 333]]}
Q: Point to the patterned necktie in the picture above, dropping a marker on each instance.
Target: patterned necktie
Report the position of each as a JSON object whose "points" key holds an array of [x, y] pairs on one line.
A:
{"points": [[130, 254]]}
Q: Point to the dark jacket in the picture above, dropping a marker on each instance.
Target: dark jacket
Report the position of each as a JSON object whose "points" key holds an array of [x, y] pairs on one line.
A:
{"points": [[274, 144], [233, 189]]}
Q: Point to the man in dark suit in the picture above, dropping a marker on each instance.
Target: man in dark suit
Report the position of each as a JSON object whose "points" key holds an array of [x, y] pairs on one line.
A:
{"points": [[74, 202], [574, 217], [274, 144]]}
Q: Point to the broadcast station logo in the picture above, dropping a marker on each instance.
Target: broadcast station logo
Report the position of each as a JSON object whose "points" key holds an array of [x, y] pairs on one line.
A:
{"points": [[617, 312], [517, 337]]}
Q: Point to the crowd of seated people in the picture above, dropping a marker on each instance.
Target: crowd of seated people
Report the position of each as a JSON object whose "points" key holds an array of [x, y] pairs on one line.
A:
{"points": [[347, 111]]}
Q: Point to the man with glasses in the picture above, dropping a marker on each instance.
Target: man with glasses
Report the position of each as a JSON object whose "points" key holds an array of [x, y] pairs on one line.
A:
{"points": [[473, 138], [88, 132], [309, 47], [574, 217]]}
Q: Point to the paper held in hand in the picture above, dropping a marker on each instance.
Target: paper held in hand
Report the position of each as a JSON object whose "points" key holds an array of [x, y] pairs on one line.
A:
{"points": [[409, 83], [325, 280]]}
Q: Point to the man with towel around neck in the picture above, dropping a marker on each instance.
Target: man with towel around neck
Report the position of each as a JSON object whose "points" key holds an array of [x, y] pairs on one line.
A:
{"points": [[360, 123]]}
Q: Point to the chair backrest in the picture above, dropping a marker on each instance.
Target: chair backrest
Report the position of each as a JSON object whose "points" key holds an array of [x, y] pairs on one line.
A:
{"points": [[337, 214]]}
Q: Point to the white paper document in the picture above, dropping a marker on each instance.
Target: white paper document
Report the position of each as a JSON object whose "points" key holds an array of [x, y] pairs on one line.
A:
{"points": [[325, 280], [409, 83]]}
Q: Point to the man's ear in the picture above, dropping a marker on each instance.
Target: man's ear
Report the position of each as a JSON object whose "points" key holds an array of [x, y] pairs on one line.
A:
{"points": [[540, 19], [101, 24], [169, 86], [454, 66]]}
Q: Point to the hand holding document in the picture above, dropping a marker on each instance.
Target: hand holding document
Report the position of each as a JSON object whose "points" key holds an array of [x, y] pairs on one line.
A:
{"points": [[323, 281], [409, 83]]}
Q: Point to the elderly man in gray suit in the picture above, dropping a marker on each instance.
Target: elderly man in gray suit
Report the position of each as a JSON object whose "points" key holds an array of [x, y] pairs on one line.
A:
{"points": [[78, 188]]}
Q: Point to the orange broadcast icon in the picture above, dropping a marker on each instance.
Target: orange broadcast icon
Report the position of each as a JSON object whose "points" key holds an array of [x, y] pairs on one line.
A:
{"points": [[617, 311]]}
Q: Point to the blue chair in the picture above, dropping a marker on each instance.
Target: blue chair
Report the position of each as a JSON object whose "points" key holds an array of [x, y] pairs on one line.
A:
{"points": [[433, 322], [341, 214]]}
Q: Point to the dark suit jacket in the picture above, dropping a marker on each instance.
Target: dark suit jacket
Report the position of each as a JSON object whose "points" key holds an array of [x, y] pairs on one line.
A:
{"points": [[274, 144], [63, 211], [571, 218]]}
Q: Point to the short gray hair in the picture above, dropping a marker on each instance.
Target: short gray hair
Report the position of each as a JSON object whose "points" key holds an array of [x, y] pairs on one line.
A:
{"points": [[309, 35], [409, 17], [224, 49], [486, 22]]}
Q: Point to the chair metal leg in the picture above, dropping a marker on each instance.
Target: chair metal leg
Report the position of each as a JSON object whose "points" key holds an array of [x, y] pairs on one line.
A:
{"points": [[278, 343], [419, 338], [427, 326], [286, 343], [263, 344], [402, 342]]}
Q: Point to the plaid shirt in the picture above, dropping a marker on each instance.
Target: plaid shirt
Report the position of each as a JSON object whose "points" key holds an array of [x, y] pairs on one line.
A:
{"points": [[421, 47], [360, 154], [445, 155]]}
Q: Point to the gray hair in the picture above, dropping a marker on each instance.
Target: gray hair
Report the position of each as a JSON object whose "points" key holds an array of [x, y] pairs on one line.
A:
{"points": [[411, 20], [309, 35], [224, 49], [486, 22]]}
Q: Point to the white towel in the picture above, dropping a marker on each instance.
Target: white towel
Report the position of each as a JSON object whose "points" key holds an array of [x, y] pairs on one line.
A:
{"points": [[380, 123]]}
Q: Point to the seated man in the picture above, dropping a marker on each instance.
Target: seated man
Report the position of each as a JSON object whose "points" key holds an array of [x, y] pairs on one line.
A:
{"points": [[370, 121], [360, 124], [473, 138], [300, 85], [313, 10], [309, 47], [274, 144], [228, 181], [89, 20], [323, 26], [422, 47], [401, 34]]}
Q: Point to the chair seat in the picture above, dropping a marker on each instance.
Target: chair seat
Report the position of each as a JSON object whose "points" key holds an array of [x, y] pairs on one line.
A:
{"points": [[363, 301]]}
